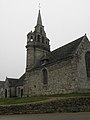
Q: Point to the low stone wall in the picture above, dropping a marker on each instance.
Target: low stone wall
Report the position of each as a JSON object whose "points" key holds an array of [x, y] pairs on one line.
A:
{"points": [[58, 105]]}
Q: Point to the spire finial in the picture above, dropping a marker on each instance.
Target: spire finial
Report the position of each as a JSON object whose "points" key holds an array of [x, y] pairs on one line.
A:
{"points": [[39, 20], [39, 6]]}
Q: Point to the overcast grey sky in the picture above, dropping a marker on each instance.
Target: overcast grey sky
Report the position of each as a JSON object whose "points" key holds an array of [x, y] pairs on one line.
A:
{"points": [[64, 21]]}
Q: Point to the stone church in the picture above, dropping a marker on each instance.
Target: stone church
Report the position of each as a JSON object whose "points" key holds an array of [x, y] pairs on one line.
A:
{"points": [[64, 70]]}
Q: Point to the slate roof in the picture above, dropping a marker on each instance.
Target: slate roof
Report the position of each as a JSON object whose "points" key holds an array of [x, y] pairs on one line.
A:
{"points": [[12, 81], [16, 82], [63, 53], [21, 80]]}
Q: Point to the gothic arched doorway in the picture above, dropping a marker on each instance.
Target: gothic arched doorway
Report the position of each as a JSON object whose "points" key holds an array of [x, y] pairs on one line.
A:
{"points": [[21, 92], [5, 93]]}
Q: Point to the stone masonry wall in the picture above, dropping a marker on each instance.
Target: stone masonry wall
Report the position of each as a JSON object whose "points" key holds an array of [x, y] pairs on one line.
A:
{"points": [[59, 105], [61, 79]]}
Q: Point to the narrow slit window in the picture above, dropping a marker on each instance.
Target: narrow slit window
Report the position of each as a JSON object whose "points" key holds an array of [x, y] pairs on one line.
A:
{"points": [[42, 39], [45, 76], [87, 59]]}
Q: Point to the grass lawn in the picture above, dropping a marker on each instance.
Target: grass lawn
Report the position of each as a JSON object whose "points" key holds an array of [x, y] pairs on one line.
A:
{"points": [[8, 101]]}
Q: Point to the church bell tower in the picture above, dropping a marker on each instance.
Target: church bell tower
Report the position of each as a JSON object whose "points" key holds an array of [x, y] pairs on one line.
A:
{"points": [[37, 44]]}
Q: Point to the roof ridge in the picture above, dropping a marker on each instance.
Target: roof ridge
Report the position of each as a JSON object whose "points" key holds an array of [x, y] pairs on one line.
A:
{"points": [[12, 78], [81, 38]]}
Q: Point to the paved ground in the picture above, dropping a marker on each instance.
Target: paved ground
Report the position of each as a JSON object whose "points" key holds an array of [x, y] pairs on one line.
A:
{"points": [[55, 116]]}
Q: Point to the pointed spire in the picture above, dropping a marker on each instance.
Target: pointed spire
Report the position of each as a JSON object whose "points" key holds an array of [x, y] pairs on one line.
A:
{"points": [[39, 20]]}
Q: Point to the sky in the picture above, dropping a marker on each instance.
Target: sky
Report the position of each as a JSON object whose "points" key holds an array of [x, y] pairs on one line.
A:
{"points": [[64, 21]]}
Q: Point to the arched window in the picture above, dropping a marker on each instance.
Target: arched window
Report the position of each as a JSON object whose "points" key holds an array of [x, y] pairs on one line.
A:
{"points": [[42, 39], [38, 38], [87, 59], [31, 38], [45, 76]]}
